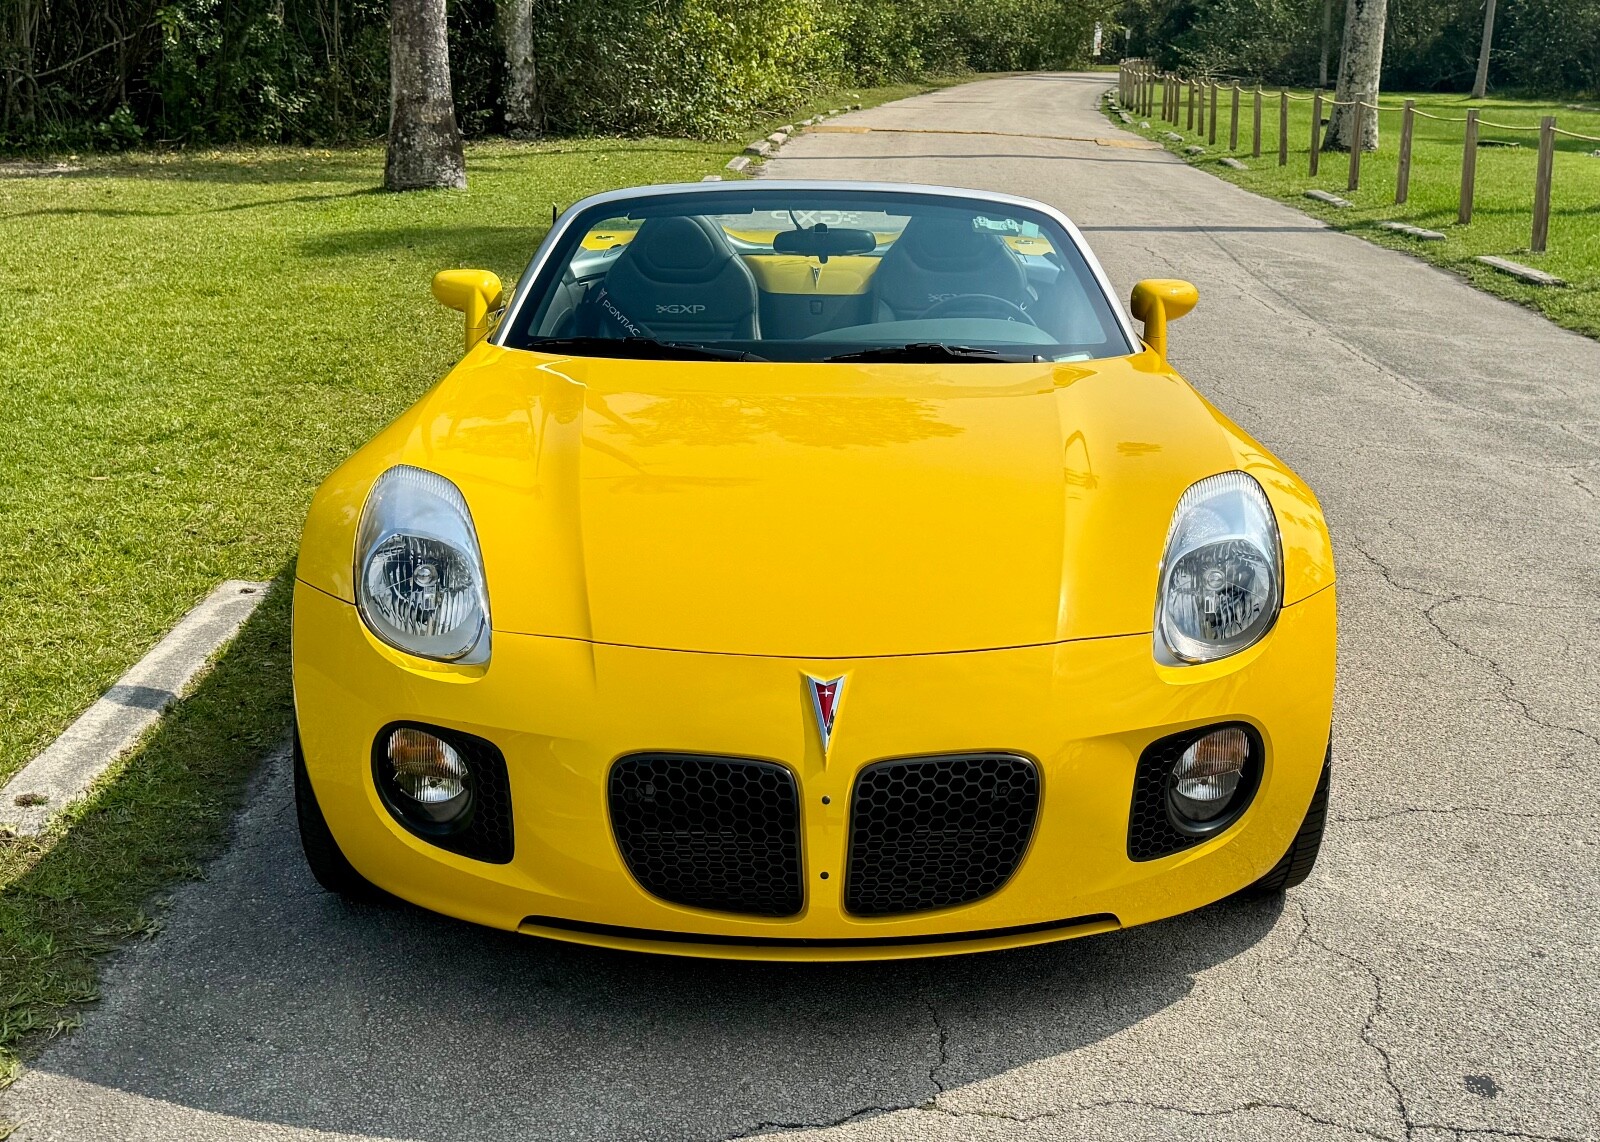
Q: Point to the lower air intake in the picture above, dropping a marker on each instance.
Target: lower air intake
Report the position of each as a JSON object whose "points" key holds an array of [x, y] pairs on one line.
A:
{"points": [[937, 832], [709, 832]]}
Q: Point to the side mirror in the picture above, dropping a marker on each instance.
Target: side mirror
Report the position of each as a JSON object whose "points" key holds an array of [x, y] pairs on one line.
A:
{"points": [[1157, 301], [476, 293]]}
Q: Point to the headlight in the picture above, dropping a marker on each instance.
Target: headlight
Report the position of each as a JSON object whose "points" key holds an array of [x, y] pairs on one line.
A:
{"points": [[1221, 583], [419, 575]]}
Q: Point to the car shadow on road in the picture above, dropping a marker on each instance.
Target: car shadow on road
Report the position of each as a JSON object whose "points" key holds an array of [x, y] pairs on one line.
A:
{"points": [[268, 1000]]}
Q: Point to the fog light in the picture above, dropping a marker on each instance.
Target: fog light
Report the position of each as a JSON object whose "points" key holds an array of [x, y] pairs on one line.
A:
{"points": [[1205, 780], [430, 774]]}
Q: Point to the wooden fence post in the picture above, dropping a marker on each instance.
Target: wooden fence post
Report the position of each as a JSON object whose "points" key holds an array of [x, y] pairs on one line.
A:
{"points": [[1212, 137], [1402, 178], [1200, 113], [1255, 140], [1356, 136], [1541, 184], [1190, 86], [1469, 168], [1283, 128], [1233, 129], [1316, 130]]}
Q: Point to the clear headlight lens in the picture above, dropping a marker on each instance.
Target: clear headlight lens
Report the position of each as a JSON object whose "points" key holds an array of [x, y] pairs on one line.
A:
{"points": [[1221, 584], [419, 574]]}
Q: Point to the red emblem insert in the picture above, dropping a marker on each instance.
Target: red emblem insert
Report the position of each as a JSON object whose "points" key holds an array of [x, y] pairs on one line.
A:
{"points": [[825, 703]]}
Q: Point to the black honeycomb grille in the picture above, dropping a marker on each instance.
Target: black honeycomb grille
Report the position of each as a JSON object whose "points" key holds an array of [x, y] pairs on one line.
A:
{"points": [[709, 832], [1151, 833], [937, 832]]}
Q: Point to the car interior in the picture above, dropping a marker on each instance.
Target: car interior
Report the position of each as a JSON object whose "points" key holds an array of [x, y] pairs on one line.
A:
{"points": [[764, 280]]}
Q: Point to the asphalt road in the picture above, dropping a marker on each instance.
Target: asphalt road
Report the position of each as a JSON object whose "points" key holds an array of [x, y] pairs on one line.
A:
{"points": [[1436, 979]]}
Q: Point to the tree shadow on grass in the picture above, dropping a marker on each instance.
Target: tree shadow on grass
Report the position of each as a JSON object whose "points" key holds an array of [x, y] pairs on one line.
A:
{"points": [[453, 245], [231, 208], [266, 1000], [364, 164]]}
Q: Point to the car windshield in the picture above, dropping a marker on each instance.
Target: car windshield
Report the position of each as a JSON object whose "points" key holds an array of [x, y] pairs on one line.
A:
{"points": [[806, 274]]}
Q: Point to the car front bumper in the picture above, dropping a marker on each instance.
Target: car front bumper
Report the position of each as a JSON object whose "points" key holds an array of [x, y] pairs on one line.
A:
{"points": [[562, 711]]}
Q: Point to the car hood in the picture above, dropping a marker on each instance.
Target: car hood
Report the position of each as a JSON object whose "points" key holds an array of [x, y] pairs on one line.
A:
{"points": [[816, 511]]}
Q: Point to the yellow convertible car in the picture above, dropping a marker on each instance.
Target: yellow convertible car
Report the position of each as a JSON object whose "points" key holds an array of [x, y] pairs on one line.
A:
{"points": [[801, 570]]}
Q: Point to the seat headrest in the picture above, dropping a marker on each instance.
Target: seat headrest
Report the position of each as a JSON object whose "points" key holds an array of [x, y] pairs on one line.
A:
{"points": [[679, 249], [938, 243]]}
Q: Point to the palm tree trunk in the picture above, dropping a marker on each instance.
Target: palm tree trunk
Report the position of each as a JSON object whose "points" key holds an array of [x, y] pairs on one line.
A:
{"points": [[1360, 65], [522, 73], [1327, 42], [1480, 84], [424, 141]]}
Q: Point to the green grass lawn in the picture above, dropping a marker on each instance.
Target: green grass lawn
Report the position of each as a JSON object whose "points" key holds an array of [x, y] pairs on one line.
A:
{"points": [[191, 342], [1503, 201]]}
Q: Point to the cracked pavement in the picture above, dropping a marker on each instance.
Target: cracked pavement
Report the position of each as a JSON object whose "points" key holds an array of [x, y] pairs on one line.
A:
{"points": [[1434, 981]]}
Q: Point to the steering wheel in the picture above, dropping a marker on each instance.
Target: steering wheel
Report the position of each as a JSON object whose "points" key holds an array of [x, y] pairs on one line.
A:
{"points": [[979, 305]]}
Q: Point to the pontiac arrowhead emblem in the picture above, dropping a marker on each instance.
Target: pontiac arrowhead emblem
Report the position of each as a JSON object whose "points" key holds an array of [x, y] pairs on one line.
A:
{"points": [[825, 698]]}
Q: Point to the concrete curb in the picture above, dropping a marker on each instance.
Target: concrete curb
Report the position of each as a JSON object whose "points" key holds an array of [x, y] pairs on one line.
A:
{"points": [[1329, 197], [1410, 231], [107, 729], [1518, 270]]}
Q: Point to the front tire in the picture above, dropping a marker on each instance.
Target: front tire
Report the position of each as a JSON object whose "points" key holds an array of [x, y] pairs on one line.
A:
{"points": [[1298, 862], [328, 863]]}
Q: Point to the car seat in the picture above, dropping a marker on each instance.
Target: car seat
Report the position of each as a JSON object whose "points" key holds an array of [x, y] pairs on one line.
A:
{"points": [[680, 279], [936, 258]]}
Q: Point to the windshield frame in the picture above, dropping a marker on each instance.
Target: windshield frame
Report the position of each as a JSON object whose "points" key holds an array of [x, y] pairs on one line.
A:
{"points": [[565, 233]]}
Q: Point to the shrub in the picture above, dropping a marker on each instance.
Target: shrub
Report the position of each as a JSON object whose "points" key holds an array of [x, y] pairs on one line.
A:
{"points": [[316, 70]]}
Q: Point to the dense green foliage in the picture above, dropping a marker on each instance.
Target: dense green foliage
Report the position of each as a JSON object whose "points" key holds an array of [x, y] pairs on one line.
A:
{"points": [[111, 73], [1541, 46]]}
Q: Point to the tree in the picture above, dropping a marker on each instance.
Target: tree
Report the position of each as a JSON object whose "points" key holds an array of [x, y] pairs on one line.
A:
{"points": [[1480, 85], [424, 141], [1360, 62], [1327, 39], [522, 73]]}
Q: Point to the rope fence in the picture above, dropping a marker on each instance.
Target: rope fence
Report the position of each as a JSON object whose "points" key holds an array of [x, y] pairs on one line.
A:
{"points": [[1149, 91]]}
